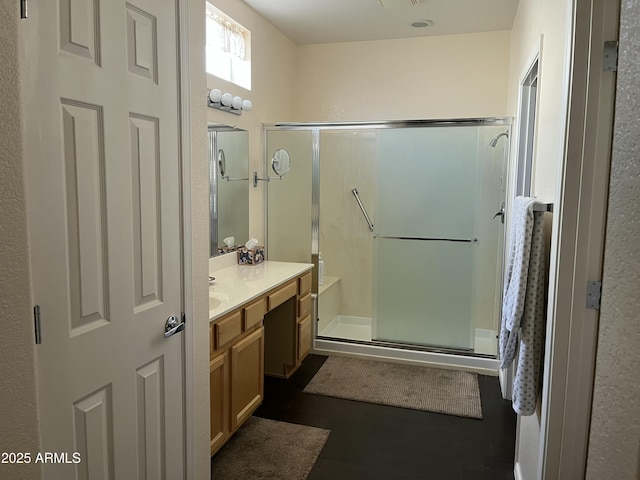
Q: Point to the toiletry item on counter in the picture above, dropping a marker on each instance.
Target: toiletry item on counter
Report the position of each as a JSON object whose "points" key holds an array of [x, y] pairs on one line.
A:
{"points": [[251, 253], [230, 246], [251, 244], [320, 269]]}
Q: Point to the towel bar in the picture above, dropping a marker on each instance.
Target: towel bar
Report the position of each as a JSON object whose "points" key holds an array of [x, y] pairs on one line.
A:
{"points": [[460, 240], [543, 207]]}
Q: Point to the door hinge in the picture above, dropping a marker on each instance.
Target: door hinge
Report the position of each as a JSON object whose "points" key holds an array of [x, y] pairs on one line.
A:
{"points": [[594, 292], [36, 321], [610, 58], [23, 8]]}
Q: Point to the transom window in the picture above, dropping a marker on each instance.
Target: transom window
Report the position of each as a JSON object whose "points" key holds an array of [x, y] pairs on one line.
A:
{"points": [[228, 48]]}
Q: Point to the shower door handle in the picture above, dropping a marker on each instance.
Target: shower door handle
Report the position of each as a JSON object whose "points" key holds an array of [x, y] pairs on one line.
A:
{"points": [[500, 213]]}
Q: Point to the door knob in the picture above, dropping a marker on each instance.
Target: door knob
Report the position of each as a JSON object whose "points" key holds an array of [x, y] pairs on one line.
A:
{"points": [[173, 326]]}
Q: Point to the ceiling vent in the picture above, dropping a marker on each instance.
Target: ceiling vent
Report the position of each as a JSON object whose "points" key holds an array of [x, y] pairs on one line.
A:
{"points": [[398, 3]]}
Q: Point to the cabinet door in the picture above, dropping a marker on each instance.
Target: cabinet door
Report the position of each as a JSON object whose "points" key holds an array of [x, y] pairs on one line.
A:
{"points": [[304, 337], [219, 400], [247, 376]]}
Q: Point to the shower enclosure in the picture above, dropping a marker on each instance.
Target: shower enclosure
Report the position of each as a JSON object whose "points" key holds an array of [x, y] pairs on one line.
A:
{"points": [[409, 218]]}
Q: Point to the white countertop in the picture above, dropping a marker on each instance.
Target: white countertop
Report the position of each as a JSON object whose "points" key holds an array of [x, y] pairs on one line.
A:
{"points": [[239, 284]]}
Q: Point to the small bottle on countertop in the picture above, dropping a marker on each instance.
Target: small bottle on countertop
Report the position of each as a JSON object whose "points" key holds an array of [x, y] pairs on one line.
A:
{"points": [[320, 269]]}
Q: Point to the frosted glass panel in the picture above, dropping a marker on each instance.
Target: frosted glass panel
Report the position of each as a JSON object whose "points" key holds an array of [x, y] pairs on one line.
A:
{"points": [[423, 292], [427, 182], [289, 200]]}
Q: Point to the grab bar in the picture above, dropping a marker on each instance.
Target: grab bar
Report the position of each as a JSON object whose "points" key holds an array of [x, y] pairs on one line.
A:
{"points": [[364, 212]]}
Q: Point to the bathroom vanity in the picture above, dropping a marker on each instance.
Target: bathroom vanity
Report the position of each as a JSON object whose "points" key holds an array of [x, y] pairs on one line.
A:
{"points": [[259, 324]]}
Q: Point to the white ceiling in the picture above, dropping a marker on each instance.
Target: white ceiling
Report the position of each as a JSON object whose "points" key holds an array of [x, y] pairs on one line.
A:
{"points": [[334, 21]]}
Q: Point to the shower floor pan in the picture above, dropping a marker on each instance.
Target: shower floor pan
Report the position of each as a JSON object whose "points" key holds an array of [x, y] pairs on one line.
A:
{"points": [[348, 328], [358, 329]]}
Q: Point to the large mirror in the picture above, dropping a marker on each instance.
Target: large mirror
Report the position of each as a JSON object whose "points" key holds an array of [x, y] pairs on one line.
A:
{"points": [[228, 188]]}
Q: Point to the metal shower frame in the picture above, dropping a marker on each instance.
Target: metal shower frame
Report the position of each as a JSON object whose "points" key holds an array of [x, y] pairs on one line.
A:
{"points": [[462, 358]]}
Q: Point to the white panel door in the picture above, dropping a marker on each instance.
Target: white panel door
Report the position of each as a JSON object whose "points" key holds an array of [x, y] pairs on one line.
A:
{"points": [[101, 106]]}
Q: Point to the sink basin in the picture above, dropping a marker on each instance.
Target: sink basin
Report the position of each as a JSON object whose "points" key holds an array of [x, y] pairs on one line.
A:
{"points": [[216, 299], [214, 302]]}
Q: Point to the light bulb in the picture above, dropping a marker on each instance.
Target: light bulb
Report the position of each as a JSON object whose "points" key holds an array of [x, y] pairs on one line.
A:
{"points": [[247, 105], [237, 103], [226, 99], [215, 95]]}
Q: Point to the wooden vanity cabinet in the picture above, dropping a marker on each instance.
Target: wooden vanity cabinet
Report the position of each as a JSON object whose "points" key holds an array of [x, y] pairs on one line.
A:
{"points": [[288, 327], [270, 334], [236, 373]]}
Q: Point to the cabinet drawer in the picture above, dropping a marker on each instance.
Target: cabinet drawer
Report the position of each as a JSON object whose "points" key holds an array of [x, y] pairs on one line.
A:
{"points": [[227, 329], [304, 337], [280, 296], [304, 305], [254, 313], [304, 283]]}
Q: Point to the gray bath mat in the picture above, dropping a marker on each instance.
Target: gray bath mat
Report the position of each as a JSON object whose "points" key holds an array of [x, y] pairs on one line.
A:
{"points": [[421, 388], [269, 450]]}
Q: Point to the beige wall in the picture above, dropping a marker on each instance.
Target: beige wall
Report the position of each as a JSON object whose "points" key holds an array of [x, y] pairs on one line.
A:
{"points": [[200, 464], [614, 443], [449, 76], [536, 31], [272, 83], [19, 430]]}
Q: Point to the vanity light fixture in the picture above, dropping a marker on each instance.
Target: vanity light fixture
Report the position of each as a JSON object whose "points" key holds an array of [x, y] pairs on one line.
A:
{"points": [[227, 102]]}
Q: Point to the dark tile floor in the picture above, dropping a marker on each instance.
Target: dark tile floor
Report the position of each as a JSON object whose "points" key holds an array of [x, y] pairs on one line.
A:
{"points": [[372, 442]]}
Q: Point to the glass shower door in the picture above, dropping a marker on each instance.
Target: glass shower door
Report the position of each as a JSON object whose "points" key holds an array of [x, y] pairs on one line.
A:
{"points": [[425, 241]]}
